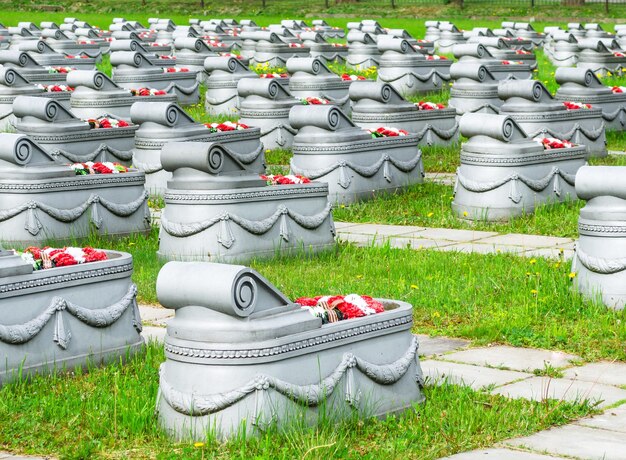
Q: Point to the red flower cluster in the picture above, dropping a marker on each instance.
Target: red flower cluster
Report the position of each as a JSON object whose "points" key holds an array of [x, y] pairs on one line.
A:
{"points": [[576, 105], [511, 62], [107, 123], [522, 52], [148, 92], [226, 126], [348, 77], [296, 45], [436, 57], [312, 100], [279, 179], [550, 143], [388, 132], [48, 257], [423, 105], [175, 70], [618, 89], [274, 75], [347, 308]]}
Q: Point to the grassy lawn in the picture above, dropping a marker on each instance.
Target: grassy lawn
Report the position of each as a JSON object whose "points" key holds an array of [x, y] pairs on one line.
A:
{"points": [[109, 413]]}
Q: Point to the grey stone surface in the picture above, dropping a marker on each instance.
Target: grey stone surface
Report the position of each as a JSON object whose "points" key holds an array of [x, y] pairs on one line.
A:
{"points": [[239, 349], [154, 333], [430, 346], [540, 388], [576, 441], [481, 248], [500, 454], [455, 235], [154, 314], [612, 419], [385, 230], [550, 253], [603, 372], [417, 243], [476, 377], [521, 359]]}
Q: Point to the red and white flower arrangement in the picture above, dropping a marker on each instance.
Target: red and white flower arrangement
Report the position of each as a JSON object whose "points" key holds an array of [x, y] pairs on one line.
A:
{"points": [[311, 100], [90, 42], [511, 62], [576, 105], [59, 69], [337, 308], [619, 89], [148, 92], [159, 44], [106, 123], [436, 57], [385, 131], [173, 69], [348, 77], [338, 45], [75, 56], [55, 88], [523, 52], [424, 105], [618, 54], [89, 167], [236, 56], [550, 143], [296, 45], [226, 126], [289, 179], [273, 75], [47, 257], [215, 44]]}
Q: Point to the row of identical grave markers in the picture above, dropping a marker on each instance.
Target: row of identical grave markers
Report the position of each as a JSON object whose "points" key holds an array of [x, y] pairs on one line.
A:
{"points": [[82, 152]]}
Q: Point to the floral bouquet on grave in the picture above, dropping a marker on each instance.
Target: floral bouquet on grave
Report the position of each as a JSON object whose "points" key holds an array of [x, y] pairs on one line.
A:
{"points": [[89, 167], [47, 257], [332, 309], [550, 143], [290, 179], [385, 131]]}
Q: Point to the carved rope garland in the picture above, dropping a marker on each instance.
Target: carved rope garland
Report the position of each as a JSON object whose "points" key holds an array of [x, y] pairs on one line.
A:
{"points": [[18, 334], [33, 225], [123, 155], [536, 185], [309, 395], [591, 134], [601, 265], [226, 237], [364, 171]]}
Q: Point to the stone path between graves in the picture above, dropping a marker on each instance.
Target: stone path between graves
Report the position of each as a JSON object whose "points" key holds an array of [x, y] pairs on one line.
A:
{"points": [[511, 372]]}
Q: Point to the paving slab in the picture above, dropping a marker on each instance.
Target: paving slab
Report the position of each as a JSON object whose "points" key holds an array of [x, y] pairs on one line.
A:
{"points": [[617, 152], [417, 243], [430, 346], [480, 248], [342, 225], [155, 334], [362, 240], [576, 441], [527, 241], [476, 377], [383, 230], [604, 372], [612, 419], [541, 388], [451, 234], [153, 314], [514, 358], [501, 454], [549, 253], [10, 456], [441, 178]]}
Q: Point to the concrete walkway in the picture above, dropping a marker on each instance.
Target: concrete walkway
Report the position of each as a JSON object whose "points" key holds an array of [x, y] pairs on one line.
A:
{"points": [[446, 239]]}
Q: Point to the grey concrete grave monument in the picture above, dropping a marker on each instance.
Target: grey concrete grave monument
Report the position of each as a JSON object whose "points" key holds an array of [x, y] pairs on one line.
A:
{"points": [[501, 49], [12, 84], [326, 30], [449, 36], [29, 69], [221, 209], [563, 51], [44, 55], [409, 71], [499, 68], [221, 96], [143, 48], [265, 103], [241, 357], [600, 259], [582, 85], [68, 138], [133, 71], [62, 318], [319, 47], [162, 122], [505, 174], [475, 89], [363, 51], [375, 104], [191, 53], [310, 77], [532, 106], [96, 95], [357, 167], [601, 56], [44, 200], [275, 51]]}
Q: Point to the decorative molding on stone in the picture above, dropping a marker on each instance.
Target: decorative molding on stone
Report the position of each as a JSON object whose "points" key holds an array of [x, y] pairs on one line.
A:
{"points": [[591, 134], [216, 354], [536, 185], [600, 265], [364, 171], [17, 334], [123, 155], [269, 192], [33, 225], [309, 395], [257, 227], [90, 180]]}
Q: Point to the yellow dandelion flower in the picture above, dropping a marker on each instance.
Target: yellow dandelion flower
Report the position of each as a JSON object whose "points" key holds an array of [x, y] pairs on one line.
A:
{"points": [[430, 214], [572, 275], [413, 286], [198, 444], [359, 277], [533, 261], [534, 291], [436, 314], [465, 214]]}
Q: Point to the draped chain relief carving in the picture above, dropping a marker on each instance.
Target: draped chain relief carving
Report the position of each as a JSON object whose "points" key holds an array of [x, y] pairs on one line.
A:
{"points": [[33, 224], [102, 149], [536, 185], [17, 334], [310, 395]]}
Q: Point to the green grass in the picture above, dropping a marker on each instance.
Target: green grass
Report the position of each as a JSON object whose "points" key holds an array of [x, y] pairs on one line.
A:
{"points": [[429, 205], [109, 413]]}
